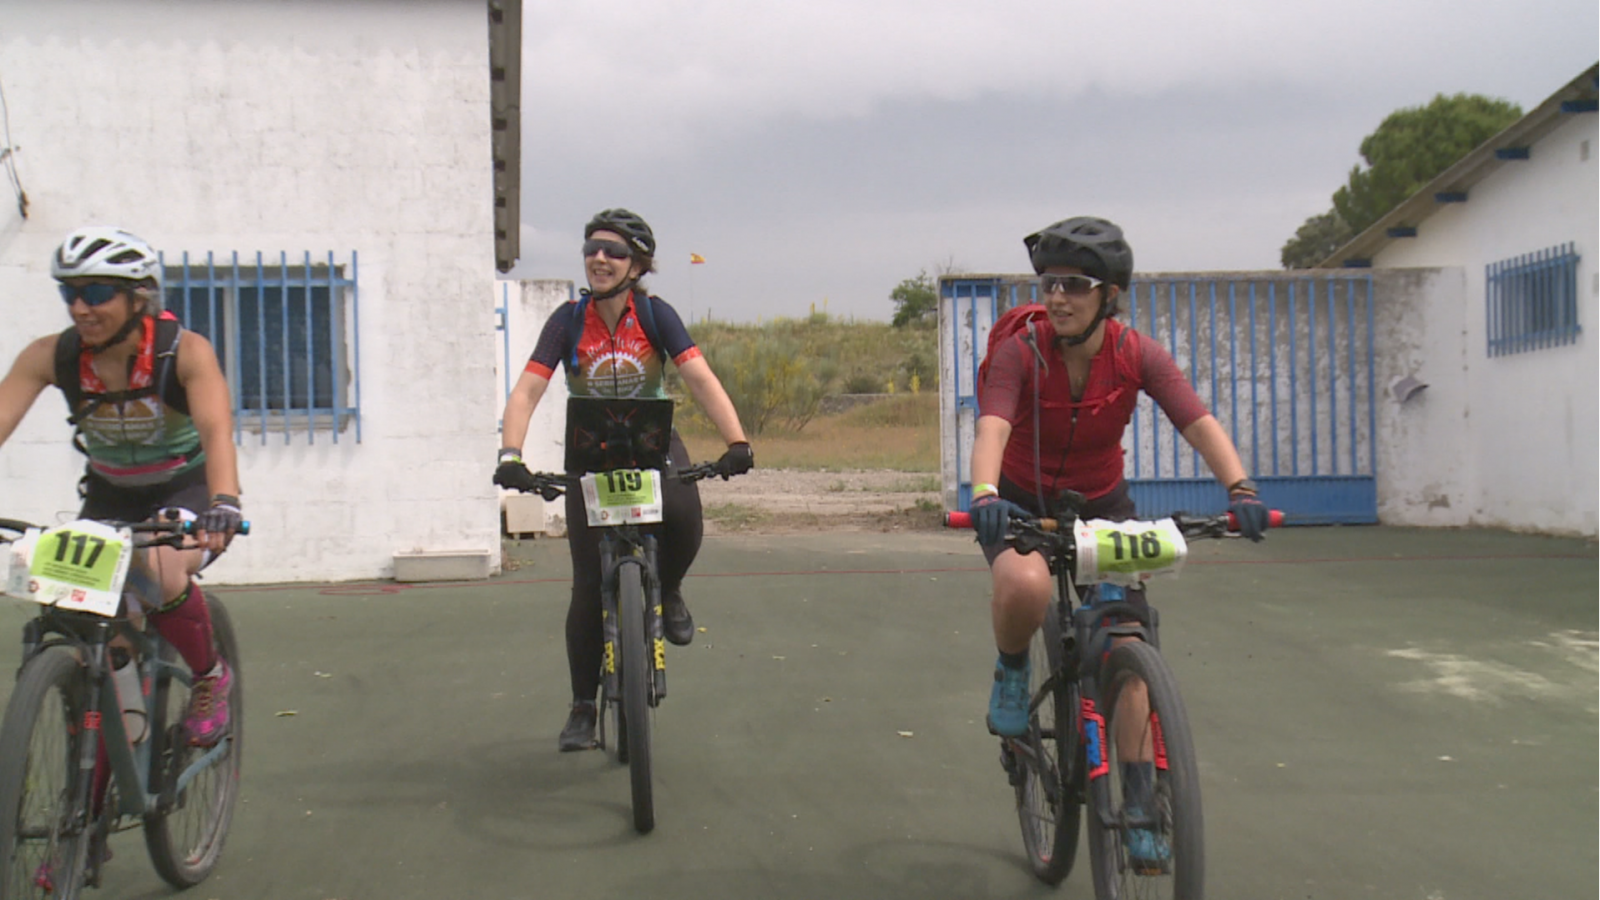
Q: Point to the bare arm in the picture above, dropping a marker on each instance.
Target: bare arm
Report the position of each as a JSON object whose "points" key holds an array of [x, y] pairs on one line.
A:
{"points": [[1206, 435], [212, 411], [708, 392], [988, 448], [524, 399], [33, 371]]}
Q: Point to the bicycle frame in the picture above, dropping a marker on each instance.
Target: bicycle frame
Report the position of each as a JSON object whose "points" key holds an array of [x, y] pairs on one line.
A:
{"points": [[140, 790]]}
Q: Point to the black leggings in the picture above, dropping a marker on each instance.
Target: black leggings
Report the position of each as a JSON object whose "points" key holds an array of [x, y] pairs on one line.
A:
{"points": [[677, 541]]}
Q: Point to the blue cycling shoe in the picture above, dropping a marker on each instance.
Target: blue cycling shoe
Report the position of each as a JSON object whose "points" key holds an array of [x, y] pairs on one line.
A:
{"points": [[1148, 850], [1008, 700]]}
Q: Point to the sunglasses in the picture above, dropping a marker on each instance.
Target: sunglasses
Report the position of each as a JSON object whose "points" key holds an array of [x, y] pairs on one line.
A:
{"points": [[612, 249], [91, 294], [1071, 285]]}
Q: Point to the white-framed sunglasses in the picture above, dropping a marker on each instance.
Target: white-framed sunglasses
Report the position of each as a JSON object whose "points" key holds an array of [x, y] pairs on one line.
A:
{"points": [[1071, 285]]}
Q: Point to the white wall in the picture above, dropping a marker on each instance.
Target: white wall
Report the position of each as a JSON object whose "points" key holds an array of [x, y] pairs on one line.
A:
{"points": [[294, 125], [530, 304], [1525, 450]]}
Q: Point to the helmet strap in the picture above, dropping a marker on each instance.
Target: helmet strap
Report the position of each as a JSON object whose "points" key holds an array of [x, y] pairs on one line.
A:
{"points": [[1100, 315], [626, 285], [134, 321]]}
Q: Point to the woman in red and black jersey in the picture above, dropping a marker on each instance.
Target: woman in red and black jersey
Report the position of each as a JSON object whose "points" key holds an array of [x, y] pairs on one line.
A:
{"points": [[1052, 411], [616, 351]]}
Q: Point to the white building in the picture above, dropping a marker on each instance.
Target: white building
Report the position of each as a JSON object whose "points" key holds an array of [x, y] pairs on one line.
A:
{"points": [[1508, 431], [360, 151]]}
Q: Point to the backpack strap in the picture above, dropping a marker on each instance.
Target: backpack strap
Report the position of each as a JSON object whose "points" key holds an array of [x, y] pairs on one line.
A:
{"points": [[69, 353], [68, 348], [642, 309], [169, 333]]}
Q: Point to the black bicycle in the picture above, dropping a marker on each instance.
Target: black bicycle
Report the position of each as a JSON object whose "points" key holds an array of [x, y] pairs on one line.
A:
{"points": [[1086, 683], [621, 446], [92, 741]]}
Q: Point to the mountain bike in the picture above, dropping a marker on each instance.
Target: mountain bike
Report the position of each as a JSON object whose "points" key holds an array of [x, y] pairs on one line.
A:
{"points": [[1080, 730], [620, 446], [92, 741]]}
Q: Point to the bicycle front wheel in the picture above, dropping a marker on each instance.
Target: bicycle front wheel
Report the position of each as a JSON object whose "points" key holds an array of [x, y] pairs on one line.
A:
{"points": [[634, 731], [1047, 779], [186, 832], [43, 834], [1149, 840]]}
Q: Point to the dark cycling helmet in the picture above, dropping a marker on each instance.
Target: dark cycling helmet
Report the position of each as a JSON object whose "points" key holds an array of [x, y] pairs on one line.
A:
{"points": [[1083, 242], [632, 228]]}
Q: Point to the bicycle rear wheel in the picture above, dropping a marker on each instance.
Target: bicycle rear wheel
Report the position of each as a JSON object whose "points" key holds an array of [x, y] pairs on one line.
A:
{"points": [[634, 732], [43, 835], [186, 832], [1047, 759], [1170, 815]]}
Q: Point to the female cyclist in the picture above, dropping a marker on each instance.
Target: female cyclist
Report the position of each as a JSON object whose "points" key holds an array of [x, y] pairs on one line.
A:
{"points": [[1052, 410], [150, 409], [616, 356]]}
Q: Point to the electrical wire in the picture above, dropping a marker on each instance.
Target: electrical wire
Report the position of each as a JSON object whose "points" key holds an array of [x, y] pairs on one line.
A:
{"points": [[8, 155]]}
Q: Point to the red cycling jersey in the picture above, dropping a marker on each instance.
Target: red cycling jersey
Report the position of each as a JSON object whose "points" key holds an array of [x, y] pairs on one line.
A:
{"points": [[1080, 440]]}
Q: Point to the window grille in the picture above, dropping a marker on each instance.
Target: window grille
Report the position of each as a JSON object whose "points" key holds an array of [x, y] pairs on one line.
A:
{"points": [[1533, 301], [285, 334]]}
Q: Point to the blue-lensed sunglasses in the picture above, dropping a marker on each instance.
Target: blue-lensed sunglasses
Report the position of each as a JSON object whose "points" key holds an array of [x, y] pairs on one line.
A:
{"points": [[91, 294]]}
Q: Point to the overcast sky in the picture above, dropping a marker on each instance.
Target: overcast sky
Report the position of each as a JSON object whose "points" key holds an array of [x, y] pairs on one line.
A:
{"points": [[819, 152]]}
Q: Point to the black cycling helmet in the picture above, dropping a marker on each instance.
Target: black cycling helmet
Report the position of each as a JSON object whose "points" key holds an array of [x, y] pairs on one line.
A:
{"points": [[1093, 245], [633, 229]]}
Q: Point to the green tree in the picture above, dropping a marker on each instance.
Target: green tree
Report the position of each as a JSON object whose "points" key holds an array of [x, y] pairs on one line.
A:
{"points": [[1413, 145], [916, 302], [1318, 237]]}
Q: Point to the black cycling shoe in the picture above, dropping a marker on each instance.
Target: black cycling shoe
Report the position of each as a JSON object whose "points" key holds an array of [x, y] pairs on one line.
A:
{"points": [[579, 731], [675, 619]]}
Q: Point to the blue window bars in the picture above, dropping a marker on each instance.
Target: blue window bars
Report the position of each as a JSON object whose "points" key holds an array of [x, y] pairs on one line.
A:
{"points": [[285, 334]]}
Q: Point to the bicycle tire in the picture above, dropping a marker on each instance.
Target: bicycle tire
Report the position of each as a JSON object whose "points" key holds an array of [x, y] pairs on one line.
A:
{"points": [[39, 754], [185, 841], [636, 675], [1050, 826], [1176, 791]]}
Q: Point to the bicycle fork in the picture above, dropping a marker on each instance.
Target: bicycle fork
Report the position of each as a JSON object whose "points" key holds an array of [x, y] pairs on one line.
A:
{"points": [[644, 556]]}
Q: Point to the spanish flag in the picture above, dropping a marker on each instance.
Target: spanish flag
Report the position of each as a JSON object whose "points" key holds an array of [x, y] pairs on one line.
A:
{"points": [[696, 259]]}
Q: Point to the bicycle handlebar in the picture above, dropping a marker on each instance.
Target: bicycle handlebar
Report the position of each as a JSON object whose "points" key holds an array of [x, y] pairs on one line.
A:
{"points": [[171, 532], [1191, 526], [551, 485]]}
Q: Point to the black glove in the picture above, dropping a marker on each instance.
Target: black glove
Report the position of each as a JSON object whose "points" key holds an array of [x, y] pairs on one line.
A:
{"points": [[223, 518], [737, 460], [991, 515], [513, 473], [1249, 514]]}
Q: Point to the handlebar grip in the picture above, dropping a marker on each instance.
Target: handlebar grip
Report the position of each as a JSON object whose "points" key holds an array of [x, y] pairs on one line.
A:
{"points": [[957, 519], [1274, 520]]}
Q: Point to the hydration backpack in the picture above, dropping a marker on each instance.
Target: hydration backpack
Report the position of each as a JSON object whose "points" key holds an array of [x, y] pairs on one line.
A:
{"points": [[641, 309], [69, 349]]}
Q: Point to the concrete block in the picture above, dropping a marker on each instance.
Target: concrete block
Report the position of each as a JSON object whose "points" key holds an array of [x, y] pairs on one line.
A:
{"points": [[441, 565], [525, 513]]}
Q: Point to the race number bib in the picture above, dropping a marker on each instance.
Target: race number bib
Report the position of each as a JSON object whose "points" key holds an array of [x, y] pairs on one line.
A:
{"points": [[1127, 553], [622, 497], [78, 566]]}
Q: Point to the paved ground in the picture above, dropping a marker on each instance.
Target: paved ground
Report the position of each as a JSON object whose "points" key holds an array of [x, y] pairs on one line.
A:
{"points": [[1380, 713]]}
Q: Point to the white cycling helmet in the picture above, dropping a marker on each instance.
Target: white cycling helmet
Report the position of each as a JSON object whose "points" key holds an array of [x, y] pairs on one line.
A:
{"points": [[97, 251]]}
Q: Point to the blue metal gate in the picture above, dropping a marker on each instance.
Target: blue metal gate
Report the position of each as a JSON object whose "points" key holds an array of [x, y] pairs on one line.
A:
{"points": [[1284, 361]]}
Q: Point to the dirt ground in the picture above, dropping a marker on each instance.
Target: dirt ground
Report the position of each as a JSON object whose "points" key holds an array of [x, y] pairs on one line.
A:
{"points": [[775, 501]]}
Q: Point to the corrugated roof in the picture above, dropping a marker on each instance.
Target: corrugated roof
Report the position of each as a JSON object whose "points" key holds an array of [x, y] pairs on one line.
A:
{"points": [[1579, 93]]}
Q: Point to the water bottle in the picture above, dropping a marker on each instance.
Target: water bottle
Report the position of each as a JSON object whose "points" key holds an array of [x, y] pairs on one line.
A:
{"points": [[130, 694]]}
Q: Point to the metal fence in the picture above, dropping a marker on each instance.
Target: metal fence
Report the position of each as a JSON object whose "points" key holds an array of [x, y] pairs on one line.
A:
{"points": [[286, 335], [1284, 361]]}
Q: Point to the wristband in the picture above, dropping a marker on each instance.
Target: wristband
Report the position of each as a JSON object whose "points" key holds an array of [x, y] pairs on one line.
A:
{"points": [[225, 500], [978, 489], [1243, 485], [510, 454]]}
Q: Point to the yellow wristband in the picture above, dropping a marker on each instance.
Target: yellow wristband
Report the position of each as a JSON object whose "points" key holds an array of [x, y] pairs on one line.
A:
{"points": [[983, 489]]}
